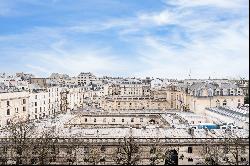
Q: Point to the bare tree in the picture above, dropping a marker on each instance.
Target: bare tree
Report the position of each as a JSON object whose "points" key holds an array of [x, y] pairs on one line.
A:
{"points": [[20, 134], [42, 148], [211, 154], [128, 153], [71, 153], [93, 155], [3, 153], [235, 148], [230, 152], [157, 155], [171, 155]]}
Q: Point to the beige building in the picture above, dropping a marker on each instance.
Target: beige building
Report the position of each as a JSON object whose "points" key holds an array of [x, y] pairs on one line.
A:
{"points": [[75, 98], [202, 95], [13, 107], [173, 94], [39, 81], [134, 87], [134, 103]]}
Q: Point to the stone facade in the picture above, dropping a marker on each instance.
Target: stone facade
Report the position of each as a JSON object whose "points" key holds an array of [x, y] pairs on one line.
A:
{"points": [[13, 107]]}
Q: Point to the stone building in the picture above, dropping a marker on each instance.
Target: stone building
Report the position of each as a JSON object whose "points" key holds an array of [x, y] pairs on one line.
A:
{"points": [[203, 94], [13, 107], [134, 103], [87, 78]]}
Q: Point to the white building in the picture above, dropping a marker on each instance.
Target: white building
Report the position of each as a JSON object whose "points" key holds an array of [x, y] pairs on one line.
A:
{"points": [[38, 105]]}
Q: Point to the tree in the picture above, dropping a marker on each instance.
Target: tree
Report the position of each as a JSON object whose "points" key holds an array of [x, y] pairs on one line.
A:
{"points": [[20, 134], [3, 154], [171, 157], [128, 153], [93, 155], [230, 151], [71, 153], [236, 147], [211, 154], [43, 148], [157, 155]]}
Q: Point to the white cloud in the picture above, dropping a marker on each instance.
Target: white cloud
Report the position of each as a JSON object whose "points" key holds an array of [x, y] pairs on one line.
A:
{"points": [[73, 62], [36, 69], [228, 4], [159, 19], [206, 45]]}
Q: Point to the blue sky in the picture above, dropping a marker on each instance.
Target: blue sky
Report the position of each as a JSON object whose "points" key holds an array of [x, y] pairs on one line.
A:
{"points": [[156, 38]]}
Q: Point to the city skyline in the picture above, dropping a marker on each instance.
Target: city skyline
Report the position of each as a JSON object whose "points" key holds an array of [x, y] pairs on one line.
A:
{"points": [[148, 38]]}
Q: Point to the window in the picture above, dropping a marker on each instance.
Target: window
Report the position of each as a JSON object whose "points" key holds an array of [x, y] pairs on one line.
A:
{"points": [[36, 97], [141, 119], [113, 120], [217, 103], [132, 119], [24, 108], [224, 102], [94, 119], [35, 110], [24, 101], [86, 120], [8, 103], [16, 110], [8, 111], [35, 103], [190, 160], [122, 120], [35, 116], [190, 150]]}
